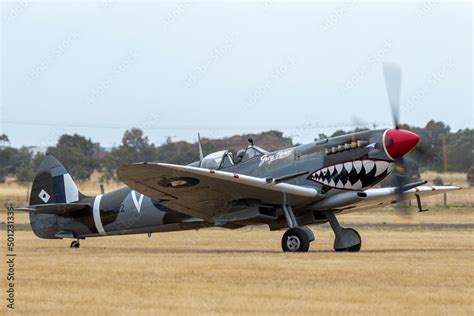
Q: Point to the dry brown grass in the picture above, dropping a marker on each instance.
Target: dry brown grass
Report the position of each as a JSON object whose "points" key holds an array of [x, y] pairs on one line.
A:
{"points": [[92, 187], [13, 193], [427, 272], [465, 197], [449, 178], [234, 272]]}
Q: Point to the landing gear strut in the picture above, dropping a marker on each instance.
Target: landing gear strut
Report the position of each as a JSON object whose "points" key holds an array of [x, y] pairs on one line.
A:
{"points": [[75, 244], [347, 239], [295, 239]]}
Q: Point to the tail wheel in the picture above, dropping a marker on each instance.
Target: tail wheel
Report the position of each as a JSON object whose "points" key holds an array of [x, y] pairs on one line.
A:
{"points": [[75, 244], [295, 240]]}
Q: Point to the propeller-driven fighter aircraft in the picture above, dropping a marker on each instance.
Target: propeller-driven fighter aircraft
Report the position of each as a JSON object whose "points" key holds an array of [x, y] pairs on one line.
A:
{"points": [[287, 189]]}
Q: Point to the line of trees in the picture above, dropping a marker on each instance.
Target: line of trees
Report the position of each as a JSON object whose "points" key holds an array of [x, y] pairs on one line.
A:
{"points": [[81, 156]]}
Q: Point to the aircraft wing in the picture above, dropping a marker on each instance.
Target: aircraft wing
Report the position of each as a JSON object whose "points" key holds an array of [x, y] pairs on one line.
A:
{"points": [[371, 198], [206, 193]]}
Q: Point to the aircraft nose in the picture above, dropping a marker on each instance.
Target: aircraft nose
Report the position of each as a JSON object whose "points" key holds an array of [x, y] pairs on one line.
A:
{"points": [[399, 142]]}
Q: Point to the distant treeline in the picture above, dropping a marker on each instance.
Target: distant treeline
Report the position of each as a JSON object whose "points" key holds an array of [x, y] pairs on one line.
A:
{"points": [[439, 150]]}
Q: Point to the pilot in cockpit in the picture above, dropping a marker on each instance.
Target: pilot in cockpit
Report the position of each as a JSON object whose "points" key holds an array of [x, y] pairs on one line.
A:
{"points": [[240, 156], [249, 152], [225, 159]]}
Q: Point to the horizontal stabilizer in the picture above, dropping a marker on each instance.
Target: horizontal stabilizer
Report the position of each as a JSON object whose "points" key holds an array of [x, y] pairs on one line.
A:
{"points": [[61, 209]]}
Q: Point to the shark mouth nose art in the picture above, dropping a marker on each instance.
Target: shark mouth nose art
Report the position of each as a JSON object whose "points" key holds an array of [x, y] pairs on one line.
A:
{"points": [[352, 175]]}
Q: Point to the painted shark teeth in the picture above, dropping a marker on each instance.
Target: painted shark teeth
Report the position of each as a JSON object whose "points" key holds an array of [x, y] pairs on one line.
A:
{"points": [[381, 167], [391, 167], [353, 175], [357, 165], [348, 166], [368, 165], [357, 185]]}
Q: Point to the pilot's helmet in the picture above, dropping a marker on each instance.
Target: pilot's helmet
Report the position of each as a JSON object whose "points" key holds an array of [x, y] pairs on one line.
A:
{"points": [[240, 155]]}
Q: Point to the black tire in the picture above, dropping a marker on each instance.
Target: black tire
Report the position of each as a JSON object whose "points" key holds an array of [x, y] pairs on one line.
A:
{"points": [[295, 240], [75, 244], [355, 248]]}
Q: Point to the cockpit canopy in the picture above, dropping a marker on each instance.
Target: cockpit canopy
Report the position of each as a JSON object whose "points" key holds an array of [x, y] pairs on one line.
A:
{"points": [[218, 160], [252, 151], [225, 158]]}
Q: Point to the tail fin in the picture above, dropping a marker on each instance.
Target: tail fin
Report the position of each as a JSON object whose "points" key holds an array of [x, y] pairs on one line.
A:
{"points": [[53, 188], [53, 184]]}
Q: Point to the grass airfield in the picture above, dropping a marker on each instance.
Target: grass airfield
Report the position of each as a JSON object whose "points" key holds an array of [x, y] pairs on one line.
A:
{"points": [[214, 271], [399, 271]]}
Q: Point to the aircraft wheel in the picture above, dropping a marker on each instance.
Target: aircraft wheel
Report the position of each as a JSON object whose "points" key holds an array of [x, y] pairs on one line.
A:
{"points": [[349, 235], [75, 244], [295, 240]]}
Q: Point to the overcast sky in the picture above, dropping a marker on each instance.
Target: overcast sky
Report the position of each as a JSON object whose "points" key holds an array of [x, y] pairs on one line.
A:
{"points": [[225, 68]]}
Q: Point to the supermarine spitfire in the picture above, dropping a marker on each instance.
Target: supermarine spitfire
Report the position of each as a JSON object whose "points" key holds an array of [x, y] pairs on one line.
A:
{"points": [[287, 189]]}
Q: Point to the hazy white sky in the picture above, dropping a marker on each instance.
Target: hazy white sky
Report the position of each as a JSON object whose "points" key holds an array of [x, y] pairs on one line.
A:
{"points": [[224, 68]]}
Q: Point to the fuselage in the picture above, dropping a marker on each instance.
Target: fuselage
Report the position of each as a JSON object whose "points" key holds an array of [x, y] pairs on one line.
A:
{"points": [[352, 162]]}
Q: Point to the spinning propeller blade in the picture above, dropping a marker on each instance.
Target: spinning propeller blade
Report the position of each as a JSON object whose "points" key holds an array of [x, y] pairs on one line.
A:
{"points": [[393, 81], [401, 181]]}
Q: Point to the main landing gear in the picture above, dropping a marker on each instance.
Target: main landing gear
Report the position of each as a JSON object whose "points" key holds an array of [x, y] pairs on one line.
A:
{"points": [[347, 239], [298, 239], [295, 239], [75, 244]]}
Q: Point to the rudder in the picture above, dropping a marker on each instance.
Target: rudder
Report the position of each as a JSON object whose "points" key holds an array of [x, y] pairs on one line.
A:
{"points": [[53, 184]]}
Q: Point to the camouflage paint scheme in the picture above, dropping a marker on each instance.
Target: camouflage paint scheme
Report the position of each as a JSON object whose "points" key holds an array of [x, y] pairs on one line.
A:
{"points": [[162, 198], [119, 213]]}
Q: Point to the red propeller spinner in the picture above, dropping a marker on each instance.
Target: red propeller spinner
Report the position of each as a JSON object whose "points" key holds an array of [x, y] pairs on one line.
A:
{"points": [[399, 142]]}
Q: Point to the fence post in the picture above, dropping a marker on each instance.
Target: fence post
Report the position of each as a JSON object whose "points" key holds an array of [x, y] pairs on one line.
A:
{"points": [[28, 193]]}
